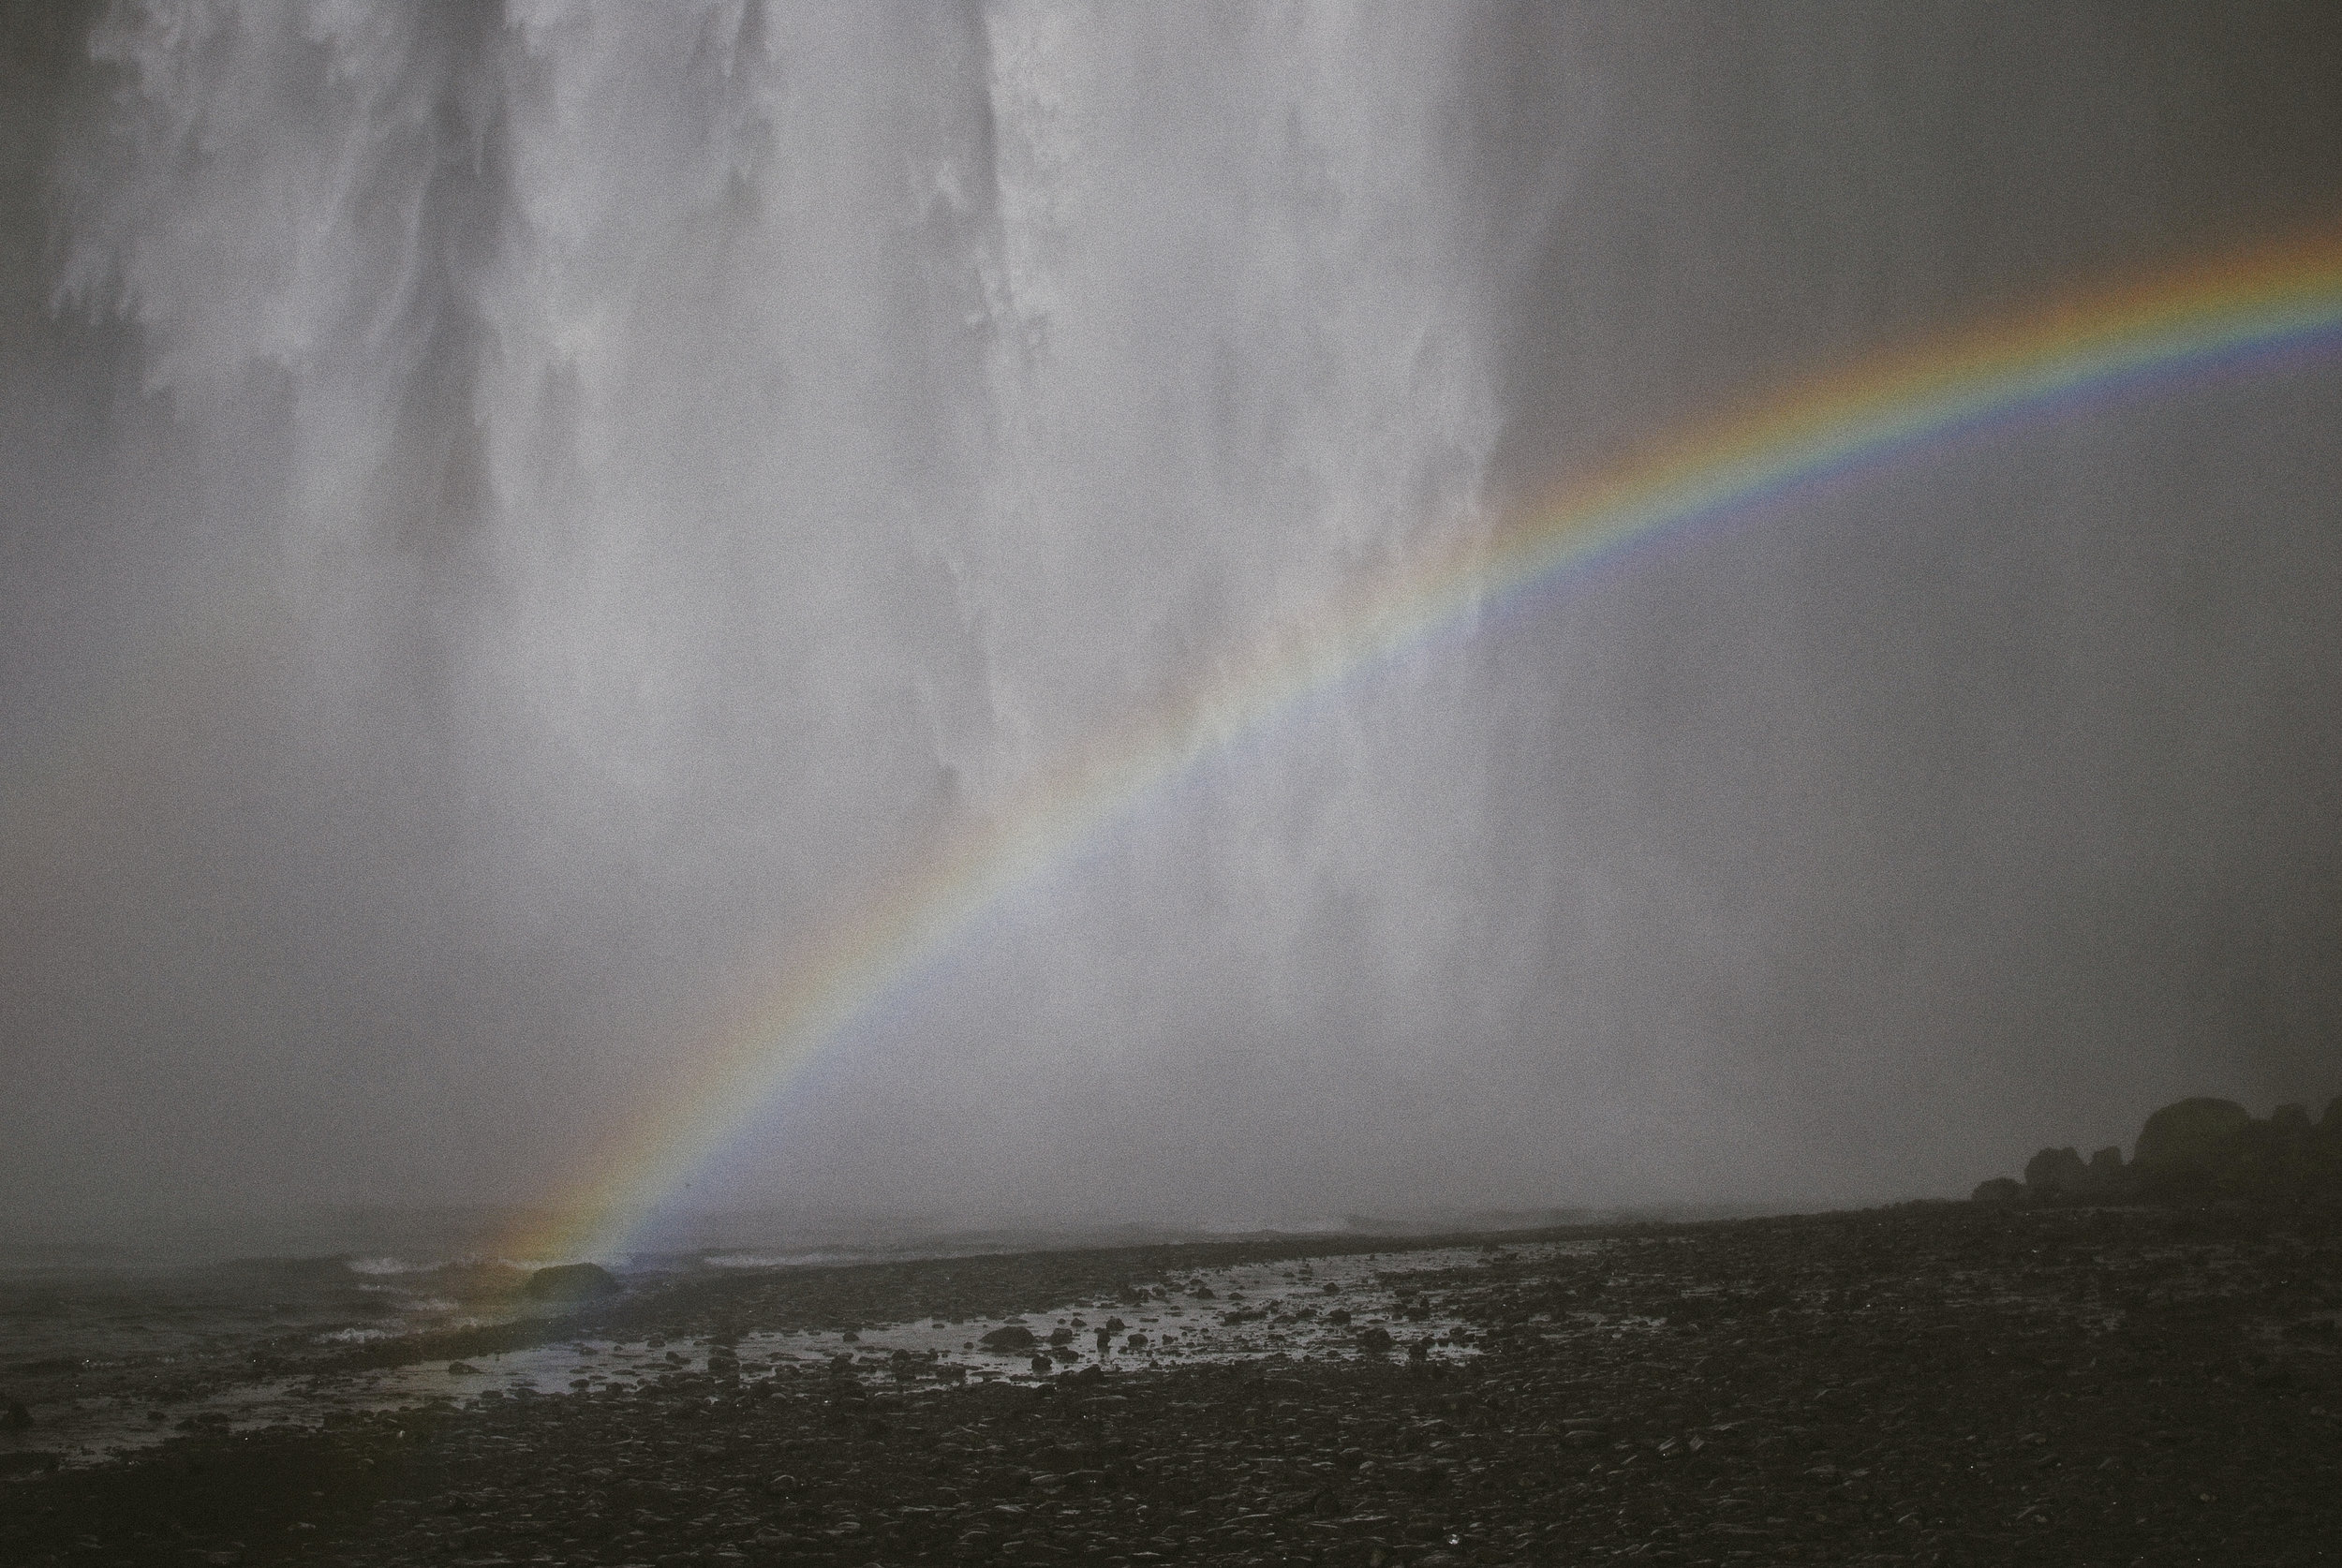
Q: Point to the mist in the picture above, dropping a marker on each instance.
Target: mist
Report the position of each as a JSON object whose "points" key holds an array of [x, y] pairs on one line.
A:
{"points": [[522, 517]]}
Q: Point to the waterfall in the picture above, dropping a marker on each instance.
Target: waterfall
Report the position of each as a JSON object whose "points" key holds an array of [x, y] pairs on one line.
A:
{"points": [[526, 515], [677, 458]]}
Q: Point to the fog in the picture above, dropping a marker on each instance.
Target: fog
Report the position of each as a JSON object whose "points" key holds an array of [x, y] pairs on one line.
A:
{"points": [[520, 518]]}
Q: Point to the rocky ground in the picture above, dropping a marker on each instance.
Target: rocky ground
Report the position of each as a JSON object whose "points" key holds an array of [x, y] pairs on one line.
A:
{"points": [[1950, 1383]]}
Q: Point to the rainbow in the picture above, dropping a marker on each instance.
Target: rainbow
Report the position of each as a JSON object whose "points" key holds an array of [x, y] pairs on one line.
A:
{"points": [[2245, 313]]}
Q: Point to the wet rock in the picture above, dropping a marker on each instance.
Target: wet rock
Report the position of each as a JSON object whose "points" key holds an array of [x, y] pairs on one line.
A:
{"points": [[1999, 1190], [1013, 1337], [1964, 1354], [1060, 1336], [14, 1417], [462, 1369], [1373, 1339], [582, 1281]]}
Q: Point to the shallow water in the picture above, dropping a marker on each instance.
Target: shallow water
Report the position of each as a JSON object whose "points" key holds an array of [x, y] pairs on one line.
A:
{"points": [[1280, 1310]]}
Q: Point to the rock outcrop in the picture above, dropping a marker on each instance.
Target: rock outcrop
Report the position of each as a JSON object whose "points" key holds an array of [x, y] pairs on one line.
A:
{"points": [[2106, 1172], [2191, 1150], [582, 1281], [2055, 1173], [2188, 1134]]}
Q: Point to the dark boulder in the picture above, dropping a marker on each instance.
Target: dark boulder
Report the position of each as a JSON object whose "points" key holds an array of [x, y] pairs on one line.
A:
{"points": [[1013, 1337], [2257, 1158], [2106, 1172], [2000, 1190], [2188, 1134], [582, 1281], [2054, 1172]]}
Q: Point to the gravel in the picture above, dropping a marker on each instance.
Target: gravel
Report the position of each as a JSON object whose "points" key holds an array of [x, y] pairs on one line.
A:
{"points": [[1925, 1384]]}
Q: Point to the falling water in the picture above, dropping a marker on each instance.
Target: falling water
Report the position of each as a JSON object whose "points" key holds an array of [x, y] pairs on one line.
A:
{"points": [[528, 511]]}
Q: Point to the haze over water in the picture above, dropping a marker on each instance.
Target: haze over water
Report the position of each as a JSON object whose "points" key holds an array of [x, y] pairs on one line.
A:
{"points": [[521, 517]]}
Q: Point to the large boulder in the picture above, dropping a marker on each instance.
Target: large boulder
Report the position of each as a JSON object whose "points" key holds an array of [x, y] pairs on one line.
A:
{"points": [[2106, 1173], [2055, 1173], [2188, 1135], [2325, 1156], [582, 1281], [2000, 1190]]}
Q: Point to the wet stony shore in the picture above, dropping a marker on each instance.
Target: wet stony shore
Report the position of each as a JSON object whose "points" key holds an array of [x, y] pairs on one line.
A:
{"points": [[1946, 1384]]}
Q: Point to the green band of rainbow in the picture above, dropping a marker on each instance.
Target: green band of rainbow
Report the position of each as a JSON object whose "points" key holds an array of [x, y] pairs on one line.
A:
{"points": [[2241, 313]]}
